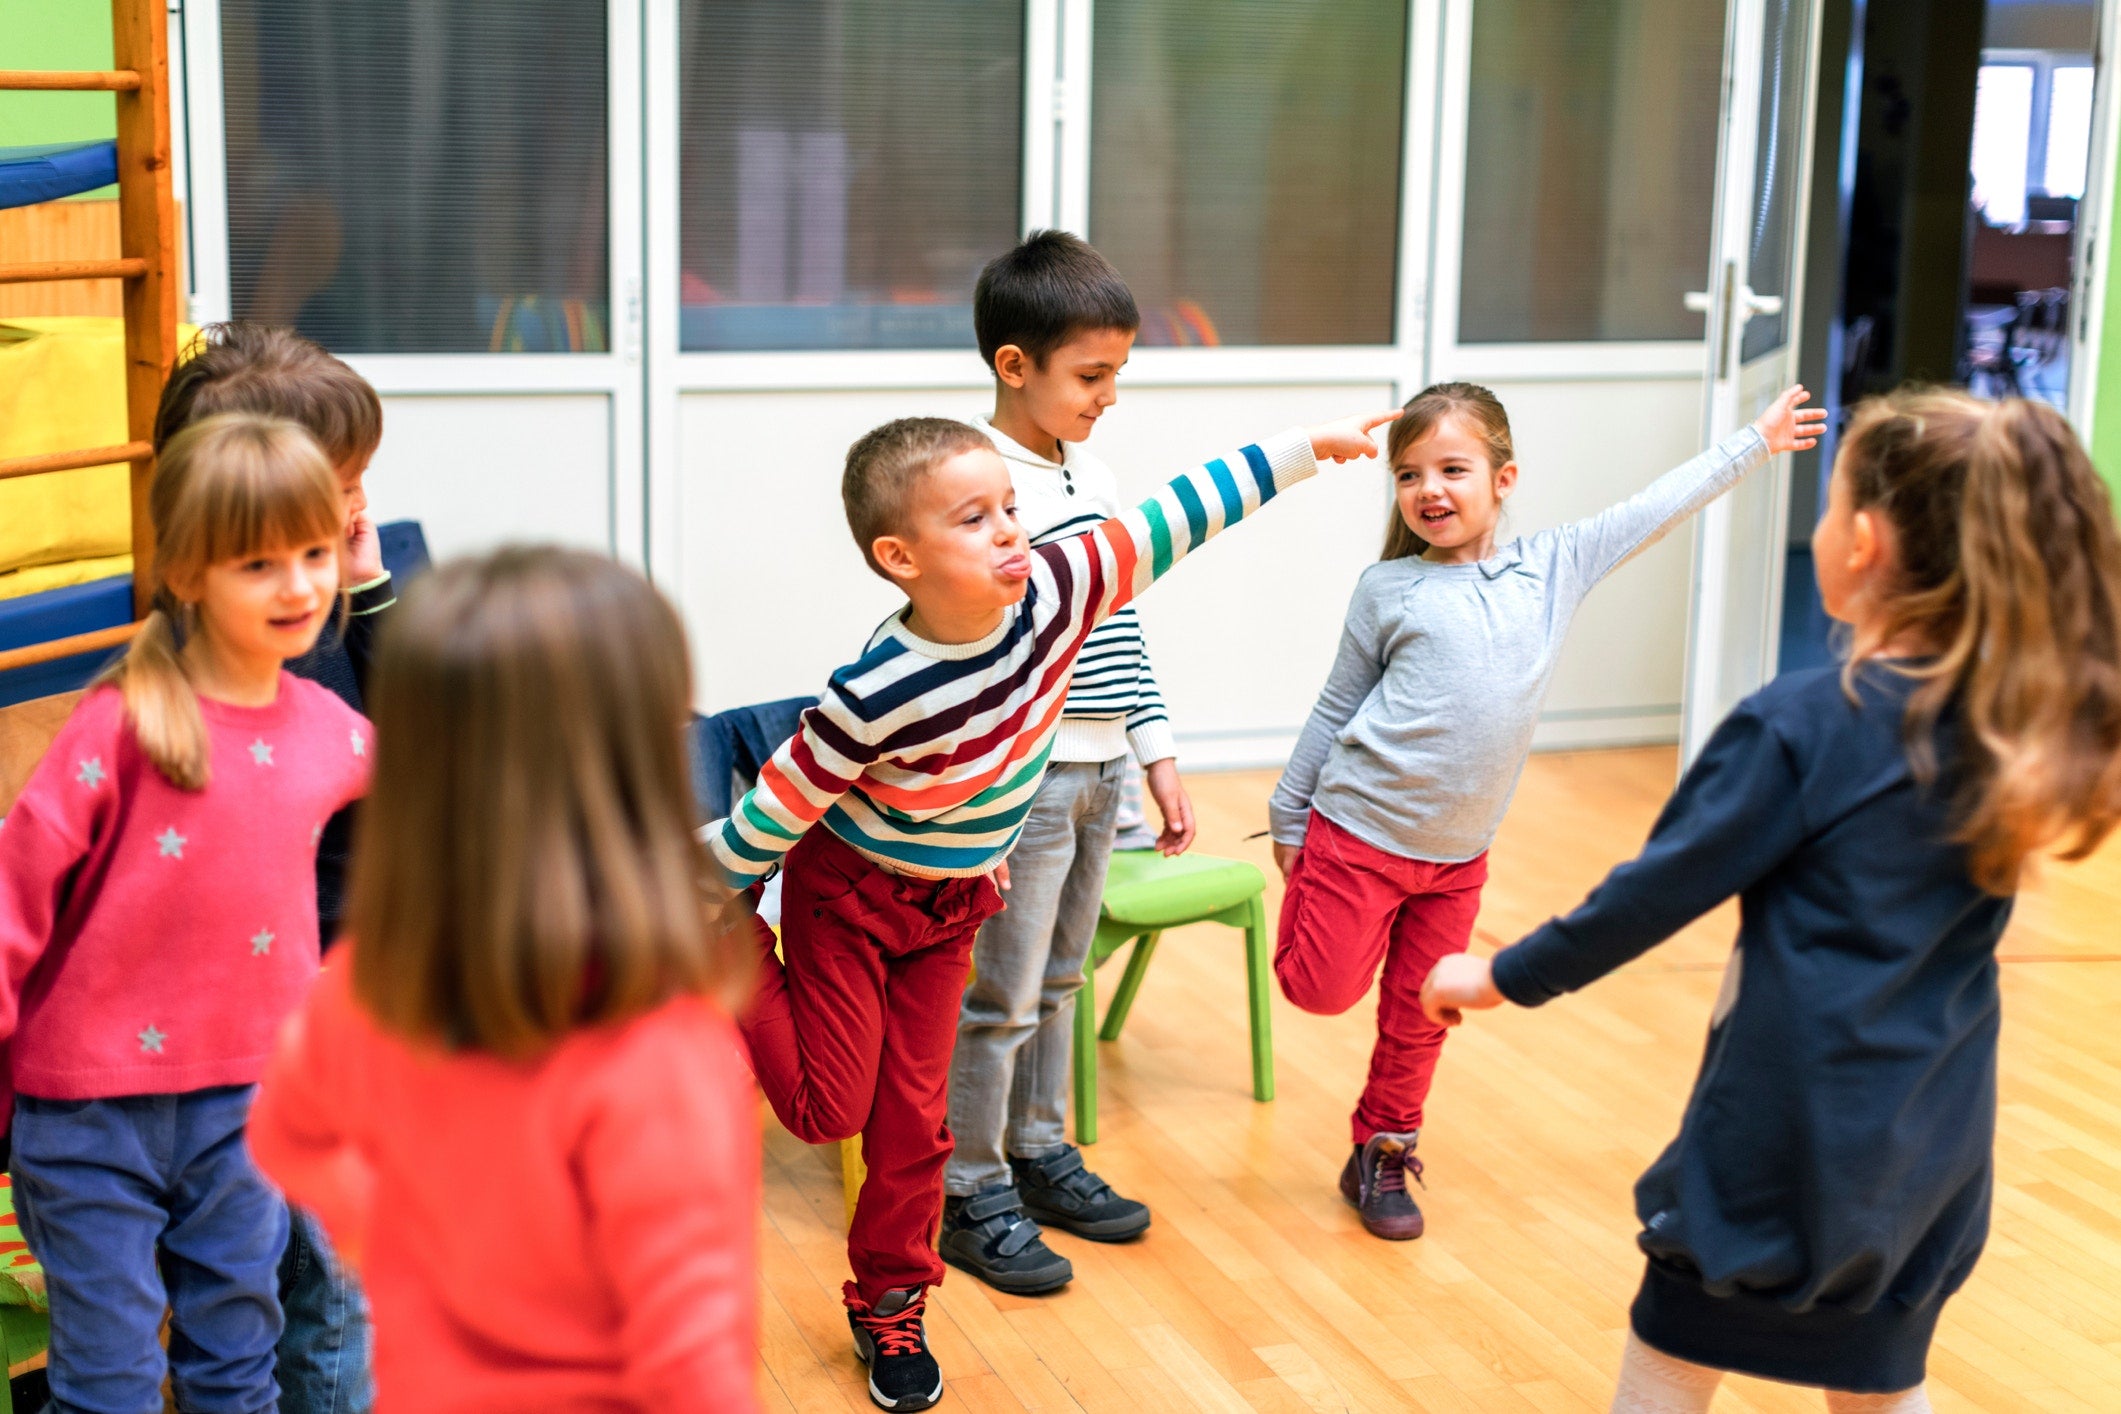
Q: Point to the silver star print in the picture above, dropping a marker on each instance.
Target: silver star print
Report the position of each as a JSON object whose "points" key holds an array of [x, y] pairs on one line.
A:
{"points": [[261, 752], [172, 843], [360, 743], [91, 773], [316, 834], [151, 1040], [261, 942]]}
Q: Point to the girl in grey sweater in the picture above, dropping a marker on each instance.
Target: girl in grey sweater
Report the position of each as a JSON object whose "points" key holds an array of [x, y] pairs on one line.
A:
{"points": [[1383, 818]]}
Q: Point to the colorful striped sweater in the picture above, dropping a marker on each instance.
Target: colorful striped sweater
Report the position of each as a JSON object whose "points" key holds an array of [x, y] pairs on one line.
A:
{"points": [[1113, 703], [924, 757]]}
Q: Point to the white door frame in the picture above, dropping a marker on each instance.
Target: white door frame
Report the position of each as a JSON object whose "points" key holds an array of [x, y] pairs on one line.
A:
{"points": [[616, 375], [1727, 294], [2095, 227], [1056, 193]]}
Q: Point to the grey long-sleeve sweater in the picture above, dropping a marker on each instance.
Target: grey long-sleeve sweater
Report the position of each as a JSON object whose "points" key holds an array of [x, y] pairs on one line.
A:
{"points": [[1424, 724]]}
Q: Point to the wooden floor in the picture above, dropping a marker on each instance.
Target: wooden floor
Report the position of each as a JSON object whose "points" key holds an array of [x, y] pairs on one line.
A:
{"points": [[1256, 1289]]}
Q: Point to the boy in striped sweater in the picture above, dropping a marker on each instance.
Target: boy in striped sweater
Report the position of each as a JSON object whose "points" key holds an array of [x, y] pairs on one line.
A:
{"points": [[1055, 324], [921, 761]]}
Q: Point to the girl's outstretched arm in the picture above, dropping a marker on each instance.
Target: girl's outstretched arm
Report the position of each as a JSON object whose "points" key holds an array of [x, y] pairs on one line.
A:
{"points": [[1734, 818], [1594, 548]]}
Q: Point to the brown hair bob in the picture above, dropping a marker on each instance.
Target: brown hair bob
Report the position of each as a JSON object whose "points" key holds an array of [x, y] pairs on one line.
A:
{"points": [[241, 366], [1483, 413], [2008, 567], [525, 863]]}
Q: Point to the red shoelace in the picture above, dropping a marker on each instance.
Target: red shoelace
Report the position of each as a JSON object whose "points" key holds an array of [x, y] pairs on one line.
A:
{"points": [[896, 1334]]}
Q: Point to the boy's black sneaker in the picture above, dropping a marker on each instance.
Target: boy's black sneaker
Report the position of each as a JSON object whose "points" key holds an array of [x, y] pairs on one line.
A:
{"points": [[988, 1235], [892, 1342], [1375, 1181], [1060, 1192]]}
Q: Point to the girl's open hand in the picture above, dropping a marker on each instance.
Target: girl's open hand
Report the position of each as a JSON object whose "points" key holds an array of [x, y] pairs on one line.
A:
{"points": [[1349, 437], [1456, 983], [1285, 857], [1789, 428]]}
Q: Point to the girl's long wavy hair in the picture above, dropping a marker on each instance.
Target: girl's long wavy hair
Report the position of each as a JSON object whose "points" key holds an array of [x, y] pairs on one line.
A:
{"points": [[1483, 413], [225, 487], [2009, 567]]}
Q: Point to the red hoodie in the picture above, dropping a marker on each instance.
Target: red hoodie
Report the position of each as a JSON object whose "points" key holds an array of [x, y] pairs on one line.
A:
{"points": [[573, 1233], [154, 939]]}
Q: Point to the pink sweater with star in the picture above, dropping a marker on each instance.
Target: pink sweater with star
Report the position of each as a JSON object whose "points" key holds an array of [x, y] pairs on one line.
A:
{"points": [[152, 939]]}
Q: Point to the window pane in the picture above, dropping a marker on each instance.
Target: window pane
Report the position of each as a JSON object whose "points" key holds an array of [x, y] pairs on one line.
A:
{"points": [[846, 168], [419, 175], [1590, 169], [2069, 131], [1775, 176], [2003, 136], [1244, 168]]}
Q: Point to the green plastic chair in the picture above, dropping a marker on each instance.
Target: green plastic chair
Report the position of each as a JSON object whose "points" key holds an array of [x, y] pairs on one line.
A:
{"points": [[1145, 894], [25, 1320]]}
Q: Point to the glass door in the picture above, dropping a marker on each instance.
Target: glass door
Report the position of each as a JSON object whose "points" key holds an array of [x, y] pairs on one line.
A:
{"points": [[1755, 276]]}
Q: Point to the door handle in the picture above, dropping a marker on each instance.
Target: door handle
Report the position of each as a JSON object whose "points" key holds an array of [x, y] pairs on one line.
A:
{"points": [[1698, 301], [1758, 304]]}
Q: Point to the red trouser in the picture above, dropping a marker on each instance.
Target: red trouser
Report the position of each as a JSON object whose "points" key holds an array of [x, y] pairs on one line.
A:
{"points": [[1349, 904], [854, 1036]]}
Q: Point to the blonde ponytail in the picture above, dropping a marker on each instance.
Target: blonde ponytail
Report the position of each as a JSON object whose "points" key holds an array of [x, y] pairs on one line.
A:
{"points": [[224, 488], [2010, 566]]}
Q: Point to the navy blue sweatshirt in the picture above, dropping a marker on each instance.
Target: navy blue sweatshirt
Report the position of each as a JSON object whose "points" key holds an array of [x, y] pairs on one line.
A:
{"points": [[1829, 1187], [339, 660]]}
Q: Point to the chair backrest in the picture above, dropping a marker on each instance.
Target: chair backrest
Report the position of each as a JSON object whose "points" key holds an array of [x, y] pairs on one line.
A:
{"points": [[26, 731], [729, 748]]}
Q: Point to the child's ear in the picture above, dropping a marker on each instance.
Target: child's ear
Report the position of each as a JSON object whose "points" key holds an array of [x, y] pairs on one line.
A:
{"points": [[894, 556], [1505, 480], [1012, 365], [1866, 545]]}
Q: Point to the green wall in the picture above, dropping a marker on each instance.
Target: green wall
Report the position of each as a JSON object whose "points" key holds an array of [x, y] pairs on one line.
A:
{"points": [[2106, 406], [57, 34]]}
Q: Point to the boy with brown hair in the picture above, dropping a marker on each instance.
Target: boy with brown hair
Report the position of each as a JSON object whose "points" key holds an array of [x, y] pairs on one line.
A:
{"points": [[921, 761], [323, 1353]]}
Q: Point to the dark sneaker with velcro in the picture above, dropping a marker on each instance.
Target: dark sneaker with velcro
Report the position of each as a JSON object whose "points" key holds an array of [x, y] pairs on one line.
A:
{"points": [[1375, 1182], [892, 1342], [1060, 1192], [988, 1235]]}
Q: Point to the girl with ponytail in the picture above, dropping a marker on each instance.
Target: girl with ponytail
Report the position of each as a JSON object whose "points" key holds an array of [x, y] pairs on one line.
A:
{"points": [[1829, 1188], [158, 924]]}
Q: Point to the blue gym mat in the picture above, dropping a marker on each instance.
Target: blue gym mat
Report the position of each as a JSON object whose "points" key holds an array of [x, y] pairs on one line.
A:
{"points": [[29, 175]]}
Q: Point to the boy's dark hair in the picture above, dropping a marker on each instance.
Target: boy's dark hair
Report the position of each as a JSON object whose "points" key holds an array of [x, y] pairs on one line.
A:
{"points": [[1048, 289], [240, 366], [886, 464]]}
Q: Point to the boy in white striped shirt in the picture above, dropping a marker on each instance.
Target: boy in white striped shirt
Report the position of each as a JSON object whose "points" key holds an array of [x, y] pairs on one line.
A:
{"points": [[1055, 324]]}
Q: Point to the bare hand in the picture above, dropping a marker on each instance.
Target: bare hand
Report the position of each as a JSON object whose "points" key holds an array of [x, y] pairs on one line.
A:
{"points": [[1786, 427], [1172, 803], [1349, 437], [1001, 875], [1285, 857], [364, 552], [1454, 985]]}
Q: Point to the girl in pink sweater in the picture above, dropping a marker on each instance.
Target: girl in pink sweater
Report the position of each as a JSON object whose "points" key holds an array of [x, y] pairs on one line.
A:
{"points": [[515, 1097], [158, 923]]}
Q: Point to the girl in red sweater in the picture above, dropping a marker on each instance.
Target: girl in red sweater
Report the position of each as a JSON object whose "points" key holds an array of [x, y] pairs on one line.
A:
{"points": [[158, 924], [515, 1097]]}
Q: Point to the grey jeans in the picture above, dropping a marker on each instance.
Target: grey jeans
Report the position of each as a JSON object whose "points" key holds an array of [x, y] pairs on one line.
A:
{"points": [[1009, 1075]]}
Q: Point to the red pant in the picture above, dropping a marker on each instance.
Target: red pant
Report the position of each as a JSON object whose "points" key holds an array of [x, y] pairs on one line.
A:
{"points": [[854, 1036], [1349, 904]]}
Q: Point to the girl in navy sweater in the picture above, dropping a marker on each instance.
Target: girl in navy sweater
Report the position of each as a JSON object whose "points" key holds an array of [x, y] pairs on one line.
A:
{"points": [[1829, 1187]]}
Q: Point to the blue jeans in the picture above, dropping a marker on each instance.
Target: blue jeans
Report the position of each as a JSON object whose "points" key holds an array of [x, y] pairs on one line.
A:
{"points": [[103, 1185], [324, 1351]]}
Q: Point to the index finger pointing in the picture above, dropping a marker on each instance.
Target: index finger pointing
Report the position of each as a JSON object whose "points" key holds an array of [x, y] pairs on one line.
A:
{"points": [[1379, 419]]}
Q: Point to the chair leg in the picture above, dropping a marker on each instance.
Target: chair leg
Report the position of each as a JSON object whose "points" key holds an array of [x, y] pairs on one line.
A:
{"points": [[853, 1173], [1086, 1056], [1130, 982], [1259, 966]]}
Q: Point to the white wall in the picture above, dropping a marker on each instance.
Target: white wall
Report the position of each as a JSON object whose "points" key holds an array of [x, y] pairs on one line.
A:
{"points": [[776, 595], [479, 471]]}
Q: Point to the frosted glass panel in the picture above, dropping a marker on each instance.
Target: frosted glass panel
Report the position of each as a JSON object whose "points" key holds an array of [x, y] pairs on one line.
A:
{"points": [[1590, 169], [419, 176], [846, 168], [1244, 165]]}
